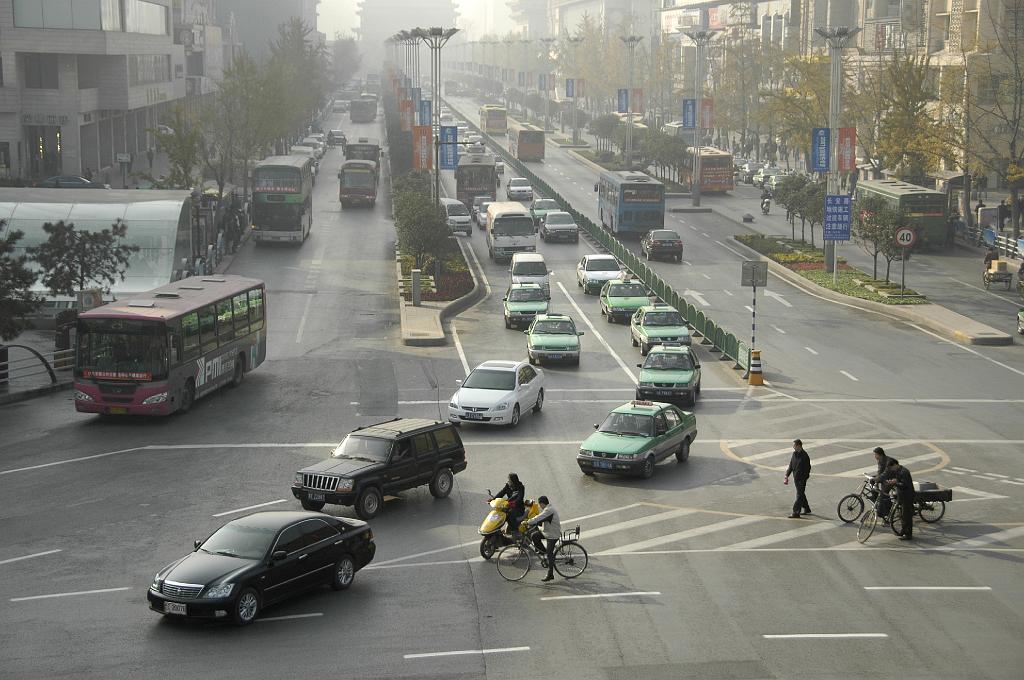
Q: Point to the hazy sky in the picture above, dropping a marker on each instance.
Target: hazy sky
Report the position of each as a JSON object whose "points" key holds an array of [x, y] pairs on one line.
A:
{"points": [[478, 16]]}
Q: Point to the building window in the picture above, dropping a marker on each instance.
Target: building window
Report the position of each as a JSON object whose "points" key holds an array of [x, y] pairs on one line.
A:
{"points": [[111, 15], [40, 71], [141, 16], [76, 14], [148, 68]]}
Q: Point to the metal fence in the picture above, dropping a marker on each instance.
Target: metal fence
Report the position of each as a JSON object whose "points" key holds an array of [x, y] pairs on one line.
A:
{"points": [[23, 367], [718, 340], [1004, 244]]}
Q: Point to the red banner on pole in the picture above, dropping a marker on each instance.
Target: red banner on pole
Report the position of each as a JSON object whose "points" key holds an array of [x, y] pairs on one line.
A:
{"points": [[636, 100], [707, 113], [422, 148], [847, 149], [405, 112]]}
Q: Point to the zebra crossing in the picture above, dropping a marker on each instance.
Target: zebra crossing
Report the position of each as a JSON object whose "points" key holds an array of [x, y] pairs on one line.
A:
{"points": [[839, 457]]}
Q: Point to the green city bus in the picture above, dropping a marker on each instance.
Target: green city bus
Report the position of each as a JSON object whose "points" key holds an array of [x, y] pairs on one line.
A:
{"points": [[925, 209], [282, 199]]}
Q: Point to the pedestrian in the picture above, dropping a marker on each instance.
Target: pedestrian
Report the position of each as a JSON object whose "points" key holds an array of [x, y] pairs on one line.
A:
{"points": [[551, 529], [800, 469], [1003, 213], [149, 157], [904, 483]]}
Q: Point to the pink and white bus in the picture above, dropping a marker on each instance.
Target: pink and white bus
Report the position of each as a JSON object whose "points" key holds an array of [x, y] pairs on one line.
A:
{"points": [[156, 353]]}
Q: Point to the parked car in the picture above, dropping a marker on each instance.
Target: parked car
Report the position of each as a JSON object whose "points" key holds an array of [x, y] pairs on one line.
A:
{"points": [[256, 560], [383, 459], [635, 437], [498, 393], [658, 243], [748, 171], [70, 182]]}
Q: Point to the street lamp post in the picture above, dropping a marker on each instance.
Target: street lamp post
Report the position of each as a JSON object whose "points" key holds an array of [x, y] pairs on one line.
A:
{"points": [[837, 38], [547, 42], [575, 41], [436, 38], [631, 41], [700, 39], [525, 42]]}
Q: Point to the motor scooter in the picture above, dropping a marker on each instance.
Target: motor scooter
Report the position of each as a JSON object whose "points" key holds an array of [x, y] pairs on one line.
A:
{"points": [[766, 205], [491, 527]]}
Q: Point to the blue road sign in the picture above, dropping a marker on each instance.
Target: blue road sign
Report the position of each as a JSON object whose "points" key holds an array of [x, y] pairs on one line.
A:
{"points": [[570, 88], [425, 111], [689, 113], [449, 147], [837, 217], [623, 100], [821, 149]]}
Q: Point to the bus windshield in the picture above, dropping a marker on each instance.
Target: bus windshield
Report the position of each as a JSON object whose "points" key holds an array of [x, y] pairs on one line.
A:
{"points": [[357, 179], [519, 225], [279, 180], [121, 349]]}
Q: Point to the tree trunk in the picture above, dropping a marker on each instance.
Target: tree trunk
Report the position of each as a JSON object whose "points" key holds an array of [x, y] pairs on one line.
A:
{"points": [[888, 268], [874, 266]]}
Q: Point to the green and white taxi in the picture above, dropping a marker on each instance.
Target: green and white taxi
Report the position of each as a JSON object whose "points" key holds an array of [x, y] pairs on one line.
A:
{"points": [[553, 337], [621, 298], [635, 437], [654, 324], [670, 373], [522, 302]]}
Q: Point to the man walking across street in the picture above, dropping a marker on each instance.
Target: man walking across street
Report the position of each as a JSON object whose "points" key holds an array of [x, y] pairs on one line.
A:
{"points": [[800, 469], [551, 529], [904, 483]]}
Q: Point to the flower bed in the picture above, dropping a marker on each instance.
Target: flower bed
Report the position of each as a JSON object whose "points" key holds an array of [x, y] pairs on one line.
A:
{"points": [[454, 282]]}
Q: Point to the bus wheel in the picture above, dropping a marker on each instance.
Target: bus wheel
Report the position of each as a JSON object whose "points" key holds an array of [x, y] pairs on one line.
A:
{"points": [[239, 374], [188, 397]]}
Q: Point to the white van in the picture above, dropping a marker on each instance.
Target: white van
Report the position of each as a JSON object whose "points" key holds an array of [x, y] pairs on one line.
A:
{"points": [[457, 215], [510, 230], [530, 268]]}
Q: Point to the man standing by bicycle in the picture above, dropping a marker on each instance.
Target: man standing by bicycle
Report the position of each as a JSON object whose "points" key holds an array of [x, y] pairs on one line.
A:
{"points": [[904, 483], [550, 529]]}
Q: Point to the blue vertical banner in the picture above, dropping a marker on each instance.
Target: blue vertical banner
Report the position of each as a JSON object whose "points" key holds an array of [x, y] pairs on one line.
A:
{"points": [[425, 106], [837, 217], [623, 100], [821, 149], [690, 113], [449, 147], [542, 82], [570, 88]]}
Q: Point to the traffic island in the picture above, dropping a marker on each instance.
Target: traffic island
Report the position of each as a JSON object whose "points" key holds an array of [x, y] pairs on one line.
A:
{"points": [[456, 289]]}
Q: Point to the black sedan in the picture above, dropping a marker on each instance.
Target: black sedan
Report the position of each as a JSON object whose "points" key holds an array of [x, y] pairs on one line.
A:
{"points": [[70, 182], [259, 559], [662, 243]]}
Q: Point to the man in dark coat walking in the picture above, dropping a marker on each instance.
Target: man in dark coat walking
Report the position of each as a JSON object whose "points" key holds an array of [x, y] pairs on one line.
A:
{"points": [[800, 469]]}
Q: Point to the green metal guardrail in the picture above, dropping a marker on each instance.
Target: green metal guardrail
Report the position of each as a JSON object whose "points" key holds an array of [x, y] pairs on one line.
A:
{"points": [[713, 335]]}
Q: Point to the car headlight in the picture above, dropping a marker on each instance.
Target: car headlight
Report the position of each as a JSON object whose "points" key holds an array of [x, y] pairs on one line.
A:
{"points": [[223, 590], [155, 585], [82, 396], [452, 404], [156, 399], [502, 406], [345, 484], [298, 479], [646, 384], [586, 452], [626, 456]]}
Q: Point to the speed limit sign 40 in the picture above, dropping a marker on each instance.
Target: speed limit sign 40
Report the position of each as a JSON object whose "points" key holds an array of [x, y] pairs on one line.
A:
{"points": [[906, 237]]}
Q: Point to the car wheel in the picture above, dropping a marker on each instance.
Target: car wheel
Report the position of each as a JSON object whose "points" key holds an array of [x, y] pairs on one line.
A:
{"points": [[344, 573], [540, 402], [679, 258], [683, 454], [533, 362], [239, 372], [648, 469], [588, 473], [442, 483], [644, 349], [312, 506], [633, 340], [508, 324], [608, 317], [369, 502], [247, 606], [515, 417], [579, 283], [188, 397], [698, 387]]}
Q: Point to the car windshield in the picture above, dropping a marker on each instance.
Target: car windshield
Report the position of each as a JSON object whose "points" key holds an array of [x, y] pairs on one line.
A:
{"points": [[558, 218], [663, 319], [526, 295], [627, 290], [664, 236], [457, 209], [243, 538], [490, 379], [671, 362], [529, 269], [602, 265], [546, 204], [554, 327], [629, 424], [370, 449]]}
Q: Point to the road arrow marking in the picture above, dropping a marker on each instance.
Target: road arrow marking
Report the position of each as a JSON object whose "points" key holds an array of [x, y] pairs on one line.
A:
{"points": [[696, 296], [778, 297]]}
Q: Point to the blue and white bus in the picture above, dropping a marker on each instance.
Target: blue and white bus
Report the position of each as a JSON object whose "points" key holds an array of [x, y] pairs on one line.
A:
{"points": [[630, 202]]}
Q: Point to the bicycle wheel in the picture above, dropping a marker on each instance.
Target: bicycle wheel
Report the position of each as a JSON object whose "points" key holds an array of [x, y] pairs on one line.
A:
{"points": [[932, 511], [896, 520], [570, 559], [850, 507], [513, 562], [867, 525]]}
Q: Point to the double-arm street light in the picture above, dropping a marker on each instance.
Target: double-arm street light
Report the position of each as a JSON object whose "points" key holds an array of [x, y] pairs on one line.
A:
{"points": [[547, 42], [525, 42], [435, 38], [630, 41], [701, 39], [575, 40]]}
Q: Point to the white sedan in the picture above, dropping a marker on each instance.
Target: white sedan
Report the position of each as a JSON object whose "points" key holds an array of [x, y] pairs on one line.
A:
{"points": [[498, 393]]}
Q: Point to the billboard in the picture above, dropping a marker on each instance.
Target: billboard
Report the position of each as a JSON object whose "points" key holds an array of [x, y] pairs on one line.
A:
{"points": [[405, 113], [821, 149], [847, 149], [422, 154], [449, 147]]}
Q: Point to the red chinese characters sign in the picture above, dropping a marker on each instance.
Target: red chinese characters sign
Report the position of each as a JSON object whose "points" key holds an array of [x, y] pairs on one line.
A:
{"points": [[847, 150], [117, 375], [707, 113], [405, 112], [422, 158]]}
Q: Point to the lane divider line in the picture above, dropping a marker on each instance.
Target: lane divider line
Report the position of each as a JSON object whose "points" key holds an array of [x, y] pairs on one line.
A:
{"points": [[251, 507], [927, 588], [597, 334], [824, 636], [74, 594], [464, 652], [597, 595], [28, 557]]}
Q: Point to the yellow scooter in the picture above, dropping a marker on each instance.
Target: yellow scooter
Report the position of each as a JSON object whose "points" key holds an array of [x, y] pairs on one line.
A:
{"points": [[491, 527]]}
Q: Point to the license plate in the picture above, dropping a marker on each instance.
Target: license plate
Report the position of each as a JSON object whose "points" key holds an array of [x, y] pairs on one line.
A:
{"points": [[175, 608], [118, 410], [473, 416], [314, 496], [603, 464], [664, 393], [554, 356]]}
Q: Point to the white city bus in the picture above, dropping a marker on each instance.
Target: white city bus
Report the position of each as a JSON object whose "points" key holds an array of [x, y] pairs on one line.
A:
{"points": [[510, 230]]}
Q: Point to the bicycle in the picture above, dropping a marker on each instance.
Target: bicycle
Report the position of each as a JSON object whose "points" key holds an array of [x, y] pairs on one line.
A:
{"points": [[514, 561], [869, 520], [851, 506]]}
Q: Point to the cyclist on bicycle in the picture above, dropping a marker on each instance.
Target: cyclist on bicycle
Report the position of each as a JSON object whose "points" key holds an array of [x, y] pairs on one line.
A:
{"points": [[904, 483], [550, 529], [515, 492]]}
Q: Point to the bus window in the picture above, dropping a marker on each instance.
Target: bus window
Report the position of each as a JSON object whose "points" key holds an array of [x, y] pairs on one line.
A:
{"points": [[190, 332], [256, 308], [241, 305], [225, 327], [208, 328]]}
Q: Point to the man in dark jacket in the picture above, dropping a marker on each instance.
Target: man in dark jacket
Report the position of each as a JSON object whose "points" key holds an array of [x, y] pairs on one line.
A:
{"points": [[904, 483], [515, 492], [800, 469], [882, 470]]}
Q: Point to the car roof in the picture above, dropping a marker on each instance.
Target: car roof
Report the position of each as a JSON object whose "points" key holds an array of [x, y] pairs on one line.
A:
{"points": [[637, 407], [339, 131], [500, 365], [450, 201], [559, 212], [670, 349], [277, 519], [519, 179], [655, 232], [392, 429], [599, 256], [659, 307], [554, 317], [626, 279], [525, 286]]}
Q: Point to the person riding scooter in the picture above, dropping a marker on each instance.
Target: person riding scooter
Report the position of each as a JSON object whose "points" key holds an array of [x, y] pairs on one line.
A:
{"points": [[766, 204], [515, 492]]}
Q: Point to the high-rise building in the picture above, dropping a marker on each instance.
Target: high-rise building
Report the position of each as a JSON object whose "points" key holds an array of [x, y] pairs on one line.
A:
{"points": [[531, 17], [379, 20], [82, 81], [257, 21]]}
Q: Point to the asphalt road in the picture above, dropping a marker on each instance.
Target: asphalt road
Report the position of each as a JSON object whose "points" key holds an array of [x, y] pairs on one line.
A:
{"points": [[692, 572]]}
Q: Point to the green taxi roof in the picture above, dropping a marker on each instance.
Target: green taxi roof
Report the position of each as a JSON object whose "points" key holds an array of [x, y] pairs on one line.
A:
{"points": [[658, 307], [640, 408], [553, 317], [525, 286], [670, 349]]}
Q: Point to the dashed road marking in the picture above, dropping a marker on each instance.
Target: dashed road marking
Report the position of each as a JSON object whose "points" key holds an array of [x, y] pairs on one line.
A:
{"points": [[811, 350], [250, 507], [850, 376], [72, 594], [29, 557]]}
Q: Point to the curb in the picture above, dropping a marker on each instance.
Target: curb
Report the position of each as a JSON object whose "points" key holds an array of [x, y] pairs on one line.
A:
{"points": [[32, 393], [692, 210], [991, 336], [456, 307]]}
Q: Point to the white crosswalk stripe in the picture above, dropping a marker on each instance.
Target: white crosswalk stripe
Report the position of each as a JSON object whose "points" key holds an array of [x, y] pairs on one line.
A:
{"points": [[782, 536], [683, 535], [985, 539]]}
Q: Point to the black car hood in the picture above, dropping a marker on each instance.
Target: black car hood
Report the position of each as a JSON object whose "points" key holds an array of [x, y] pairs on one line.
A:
{"points": [[342, 466], [204, 568]]}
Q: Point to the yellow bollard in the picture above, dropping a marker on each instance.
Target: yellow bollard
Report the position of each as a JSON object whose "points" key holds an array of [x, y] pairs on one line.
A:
{"points": [[756, 377]]}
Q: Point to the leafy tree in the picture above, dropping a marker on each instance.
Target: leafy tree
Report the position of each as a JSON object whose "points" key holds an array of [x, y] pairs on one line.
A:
{"points": [[184, 147], [801, 103], [813, 205], [788, 193], [297, 78], [422, 230], [16, 279], [873, 228], [72, 260], [346, 58], [603, 127]]}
